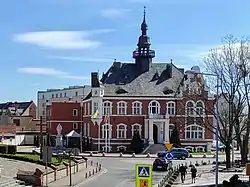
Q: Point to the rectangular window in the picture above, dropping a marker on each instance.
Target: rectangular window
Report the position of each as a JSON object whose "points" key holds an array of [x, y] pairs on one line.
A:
{"points": [[65, 94], [56, 95], [43, 96], [75, 125], [52, 95], [60, 94], [76, 93], [75, 112], [96, 107], [88, 108], [85, 108]]}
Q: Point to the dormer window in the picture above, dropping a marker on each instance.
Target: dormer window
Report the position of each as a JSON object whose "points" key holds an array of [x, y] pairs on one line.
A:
{"points": [[121, 91]]}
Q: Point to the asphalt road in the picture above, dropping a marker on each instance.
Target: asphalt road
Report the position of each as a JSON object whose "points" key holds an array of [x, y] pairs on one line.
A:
{"points": [[121, 171]]}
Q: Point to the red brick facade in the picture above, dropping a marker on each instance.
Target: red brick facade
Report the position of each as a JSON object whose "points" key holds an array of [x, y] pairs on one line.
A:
{"points": [[68, 114]]}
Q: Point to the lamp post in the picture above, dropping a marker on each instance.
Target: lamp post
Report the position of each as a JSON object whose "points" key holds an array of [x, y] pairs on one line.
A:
{"points": [[81, 124], [217, 121]]}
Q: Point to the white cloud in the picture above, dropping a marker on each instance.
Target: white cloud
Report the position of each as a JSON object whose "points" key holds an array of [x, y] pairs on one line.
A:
{"points": [[114, 13], [82, 59], [41, 71], [51, 72], [61, 39]]}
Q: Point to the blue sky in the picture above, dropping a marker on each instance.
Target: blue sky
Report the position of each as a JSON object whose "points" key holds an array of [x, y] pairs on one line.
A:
{"points": [[57, 43]]}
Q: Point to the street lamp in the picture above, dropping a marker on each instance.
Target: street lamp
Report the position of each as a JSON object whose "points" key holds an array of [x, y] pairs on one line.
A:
{"points": [[69, 151], [217, 121], [81, 124]]}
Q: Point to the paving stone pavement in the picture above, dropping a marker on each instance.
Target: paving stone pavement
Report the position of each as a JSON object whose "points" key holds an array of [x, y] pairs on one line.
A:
{"points": [[10, 167], [204, 177]]}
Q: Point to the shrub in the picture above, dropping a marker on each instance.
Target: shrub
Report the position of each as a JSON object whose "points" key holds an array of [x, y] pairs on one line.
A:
{"points": [[12, 149], [204, 163], [197, 164]]}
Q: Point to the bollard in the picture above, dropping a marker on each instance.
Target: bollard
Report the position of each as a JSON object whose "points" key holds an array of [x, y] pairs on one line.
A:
{"points": [[93, 172], [96, 170], [103, 154], [91, 153], [148, 155], [209, 162], [91, 163], [201, 161], [205, 156], [86, 176], [120, 154], [89, 173], [133, 155], [97, 164]]}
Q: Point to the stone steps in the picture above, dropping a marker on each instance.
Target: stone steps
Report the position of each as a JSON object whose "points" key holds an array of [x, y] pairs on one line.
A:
{"points": [[154, 149]]}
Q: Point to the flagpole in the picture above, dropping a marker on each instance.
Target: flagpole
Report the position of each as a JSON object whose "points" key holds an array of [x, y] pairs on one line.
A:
{"points": [[99, 140], [110, 132], [106, 134]]}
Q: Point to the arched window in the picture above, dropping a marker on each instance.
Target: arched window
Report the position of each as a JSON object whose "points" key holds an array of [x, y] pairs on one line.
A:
{"points": [[135, 127], [171, 128], [121, 131], [190, 108], [107, 108], [199, 108], [121, 108], [194, 132], [136, 108], [154, 107], [171, 108], [106, 131]]}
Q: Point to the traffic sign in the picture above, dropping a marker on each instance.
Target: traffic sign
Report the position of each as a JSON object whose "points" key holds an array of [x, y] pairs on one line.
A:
{"points": [[169, 156], [143, 175], [168, 146]]}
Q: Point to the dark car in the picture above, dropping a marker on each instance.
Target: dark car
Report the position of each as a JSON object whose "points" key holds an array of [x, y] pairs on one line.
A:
{"points": [[160, 164], [177, 153]]}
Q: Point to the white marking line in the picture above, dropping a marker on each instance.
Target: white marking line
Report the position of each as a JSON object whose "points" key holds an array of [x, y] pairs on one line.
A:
{"points": [[104, 171]]}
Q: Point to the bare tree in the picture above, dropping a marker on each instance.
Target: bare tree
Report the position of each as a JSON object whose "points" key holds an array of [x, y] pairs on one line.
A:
{"points": [[227, 62]]}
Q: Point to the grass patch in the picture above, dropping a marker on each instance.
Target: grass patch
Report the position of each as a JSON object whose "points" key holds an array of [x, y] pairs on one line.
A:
{"points": [[34, 158], [207, 153]]}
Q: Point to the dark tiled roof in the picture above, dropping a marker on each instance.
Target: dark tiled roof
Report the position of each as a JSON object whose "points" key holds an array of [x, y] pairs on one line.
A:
{"points": [[124, 79], [17, 105]]}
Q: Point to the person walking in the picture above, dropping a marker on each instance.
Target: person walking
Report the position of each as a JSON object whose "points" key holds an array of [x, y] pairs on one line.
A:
{"points": [[193, 173], [183, 171]]}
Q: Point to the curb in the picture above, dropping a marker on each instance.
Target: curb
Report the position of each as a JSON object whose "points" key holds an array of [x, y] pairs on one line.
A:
{"points": [[139, 156]]}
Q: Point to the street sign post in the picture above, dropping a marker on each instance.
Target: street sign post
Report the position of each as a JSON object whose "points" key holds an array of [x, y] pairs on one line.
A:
{"points": [[143, 175], [168, 146]]}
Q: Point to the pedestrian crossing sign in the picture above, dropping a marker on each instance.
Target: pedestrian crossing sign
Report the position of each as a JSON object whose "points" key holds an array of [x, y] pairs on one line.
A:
{"points": [[143, 171], [143, 175]]}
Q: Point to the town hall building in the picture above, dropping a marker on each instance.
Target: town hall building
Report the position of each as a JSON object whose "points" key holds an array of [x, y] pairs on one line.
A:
{"points": [[149, 97]]}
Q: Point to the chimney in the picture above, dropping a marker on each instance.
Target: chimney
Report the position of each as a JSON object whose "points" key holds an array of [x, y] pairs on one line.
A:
{"points": [[95, 80]]}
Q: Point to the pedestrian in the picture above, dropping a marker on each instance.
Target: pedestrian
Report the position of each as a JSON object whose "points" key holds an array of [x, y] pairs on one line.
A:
{"points": [[193, 173], [183, 171]]}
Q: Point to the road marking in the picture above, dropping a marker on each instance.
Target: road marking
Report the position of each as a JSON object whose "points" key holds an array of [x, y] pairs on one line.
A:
{"points": [[104, 171]]}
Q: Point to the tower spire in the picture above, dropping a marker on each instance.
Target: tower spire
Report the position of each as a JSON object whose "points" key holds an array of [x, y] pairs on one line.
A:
{"points": [[144, 26]]}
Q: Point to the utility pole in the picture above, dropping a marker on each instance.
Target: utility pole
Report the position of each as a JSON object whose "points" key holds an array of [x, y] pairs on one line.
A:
{"points": [[41, 136], [81, 124]]}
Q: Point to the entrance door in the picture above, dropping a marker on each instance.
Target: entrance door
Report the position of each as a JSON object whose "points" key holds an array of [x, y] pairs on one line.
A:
{"points": [[155, 133]]}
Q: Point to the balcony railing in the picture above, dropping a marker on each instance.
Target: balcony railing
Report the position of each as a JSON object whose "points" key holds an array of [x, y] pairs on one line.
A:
{"points": [[156, 116]]}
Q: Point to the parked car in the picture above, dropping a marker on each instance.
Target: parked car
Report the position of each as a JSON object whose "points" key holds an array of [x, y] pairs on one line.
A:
{"points": [[177, 153], [160, 164]]}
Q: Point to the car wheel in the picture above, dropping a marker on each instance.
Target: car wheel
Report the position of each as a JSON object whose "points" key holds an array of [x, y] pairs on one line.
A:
{"points": [[183, 157]]}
